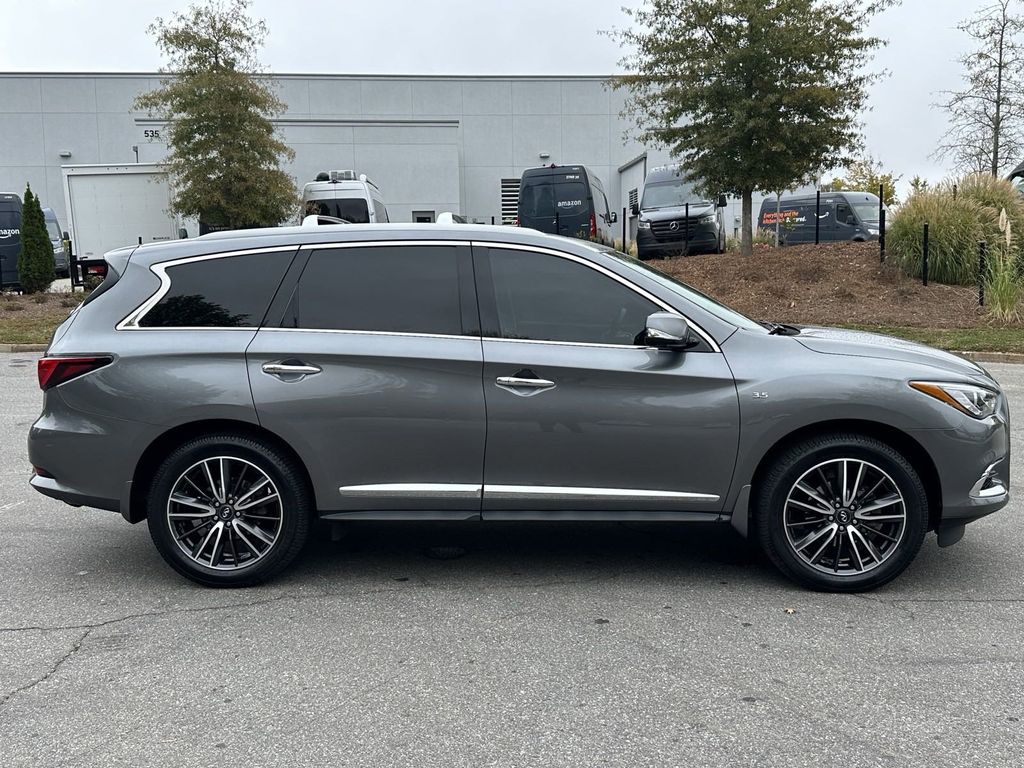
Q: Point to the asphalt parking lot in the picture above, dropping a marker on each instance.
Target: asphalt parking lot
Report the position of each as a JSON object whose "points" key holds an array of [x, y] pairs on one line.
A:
{"points": [[556, 645]]}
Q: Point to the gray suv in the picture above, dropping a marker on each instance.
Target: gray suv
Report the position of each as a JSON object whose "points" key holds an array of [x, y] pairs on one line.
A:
{"points": [[233, 388]]}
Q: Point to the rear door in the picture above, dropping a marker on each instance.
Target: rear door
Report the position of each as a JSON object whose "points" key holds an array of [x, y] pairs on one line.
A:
{"points": [[10, 240], [373, 374]]}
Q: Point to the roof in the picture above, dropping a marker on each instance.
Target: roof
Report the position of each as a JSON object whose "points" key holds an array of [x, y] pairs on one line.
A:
{"points": [[270, 237]]}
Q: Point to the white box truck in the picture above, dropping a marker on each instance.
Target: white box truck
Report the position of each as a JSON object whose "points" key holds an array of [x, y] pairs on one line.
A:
{"points": [[110, 206]]}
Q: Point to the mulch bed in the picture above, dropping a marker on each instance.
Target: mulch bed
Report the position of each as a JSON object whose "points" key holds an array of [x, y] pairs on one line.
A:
{"points": [[832, 283]]}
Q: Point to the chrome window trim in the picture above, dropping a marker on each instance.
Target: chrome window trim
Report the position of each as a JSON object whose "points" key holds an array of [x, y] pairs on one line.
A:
{"points": [[608, 273], [371, 333], [131, 321]]}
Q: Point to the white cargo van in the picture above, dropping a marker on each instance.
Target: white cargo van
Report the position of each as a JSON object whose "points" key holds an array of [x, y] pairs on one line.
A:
{"points": [[344, 195]]}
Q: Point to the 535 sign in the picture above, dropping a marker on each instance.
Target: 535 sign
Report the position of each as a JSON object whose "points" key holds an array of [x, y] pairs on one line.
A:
{"points": [[152, 134]]}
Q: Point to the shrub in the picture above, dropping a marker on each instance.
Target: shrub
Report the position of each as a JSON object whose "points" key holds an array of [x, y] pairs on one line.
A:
{"points": [[761, 237], [997, 195], [1004, 291], [955, 227], [35, 261]]}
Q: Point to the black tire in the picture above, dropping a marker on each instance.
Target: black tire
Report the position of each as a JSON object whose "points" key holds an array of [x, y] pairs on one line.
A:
{"points": [[295, 507], [827, 451]]}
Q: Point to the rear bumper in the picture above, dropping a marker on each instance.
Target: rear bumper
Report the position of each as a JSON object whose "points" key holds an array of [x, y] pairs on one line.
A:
{"points": [[91, 458]]}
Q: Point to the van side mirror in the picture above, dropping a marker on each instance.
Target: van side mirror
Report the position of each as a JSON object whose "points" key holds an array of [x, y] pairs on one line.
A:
{"points": [[722, 201], [634, 209], [182, 233], [613, 217], [66, 235], [667, 330]]}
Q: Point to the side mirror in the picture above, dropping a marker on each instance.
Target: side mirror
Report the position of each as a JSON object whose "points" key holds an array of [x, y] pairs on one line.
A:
{"points": [[66, 235], [722, 201], [613, 217], [634, 209], [182, 233], [667, 330]]}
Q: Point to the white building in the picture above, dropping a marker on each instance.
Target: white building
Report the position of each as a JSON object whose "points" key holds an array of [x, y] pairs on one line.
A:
{"points": [[430, 143]]}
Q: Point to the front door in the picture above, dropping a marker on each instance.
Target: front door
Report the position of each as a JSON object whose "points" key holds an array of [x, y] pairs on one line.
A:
{"points": [[373, 376], [580, 417]]}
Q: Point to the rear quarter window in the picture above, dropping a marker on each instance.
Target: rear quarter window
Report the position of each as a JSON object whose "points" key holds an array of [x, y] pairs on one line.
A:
{"points": [[225, 292]]}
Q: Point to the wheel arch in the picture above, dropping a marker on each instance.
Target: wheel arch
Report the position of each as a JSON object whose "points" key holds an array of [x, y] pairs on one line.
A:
{"points": [[158, 449], [910, 448]]}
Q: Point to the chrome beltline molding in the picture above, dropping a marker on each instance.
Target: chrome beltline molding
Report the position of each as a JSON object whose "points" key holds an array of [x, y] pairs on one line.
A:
{"points": [[469, 490]]}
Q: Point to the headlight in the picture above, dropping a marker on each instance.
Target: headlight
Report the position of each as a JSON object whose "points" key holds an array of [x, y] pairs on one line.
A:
{"points": [[709, 219], [872, 230], [643, 224], [975, 401]]}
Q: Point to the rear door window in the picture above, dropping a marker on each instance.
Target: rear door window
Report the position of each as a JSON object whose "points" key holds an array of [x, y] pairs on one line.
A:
{"points": [[571, 197], [397, 289], [227, 292]]}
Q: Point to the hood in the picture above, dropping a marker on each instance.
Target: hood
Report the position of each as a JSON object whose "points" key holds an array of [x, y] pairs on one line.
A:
{"points": [[678, 212], [838, 341]]}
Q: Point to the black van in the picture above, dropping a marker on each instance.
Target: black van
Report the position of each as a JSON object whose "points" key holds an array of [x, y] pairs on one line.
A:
{"points": [[10, 238], [841, 216], [674, 218], [565, 200]]}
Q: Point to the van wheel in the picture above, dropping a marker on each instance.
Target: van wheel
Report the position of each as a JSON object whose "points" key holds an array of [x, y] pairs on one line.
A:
{"points": [[841, 513], [228, 511]]}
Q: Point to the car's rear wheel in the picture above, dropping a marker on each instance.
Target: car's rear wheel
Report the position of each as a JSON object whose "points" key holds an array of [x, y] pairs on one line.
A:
{"points": [[841, 513], [228, 511]]}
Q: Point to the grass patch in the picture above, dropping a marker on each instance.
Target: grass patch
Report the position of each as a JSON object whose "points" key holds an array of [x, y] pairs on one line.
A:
{"points": [[982, 339], [27, 320]]}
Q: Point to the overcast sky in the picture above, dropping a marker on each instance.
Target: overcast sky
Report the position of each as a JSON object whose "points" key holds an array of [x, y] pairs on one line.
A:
{"points": [[482, 37]]}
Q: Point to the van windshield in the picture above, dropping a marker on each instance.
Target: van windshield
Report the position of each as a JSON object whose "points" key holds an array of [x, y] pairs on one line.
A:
{"points": [[351, 209], [669, 194], [53, 229], [866, 212]]}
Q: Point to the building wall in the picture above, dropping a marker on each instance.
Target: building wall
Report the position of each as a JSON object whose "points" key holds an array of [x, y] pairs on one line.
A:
{"points": [[429, 143]]}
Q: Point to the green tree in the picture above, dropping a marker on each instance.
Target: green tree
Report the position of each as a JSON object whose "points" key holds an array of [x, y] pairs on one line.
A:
{"points": [[866, 175], [224, 154], [749, 94], [35, 260]]}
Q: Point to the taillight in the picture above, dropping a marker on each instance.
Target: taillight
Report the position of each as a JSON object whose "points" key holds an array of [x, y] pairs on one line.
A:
{"points": [[593, 225], [56, 370]]}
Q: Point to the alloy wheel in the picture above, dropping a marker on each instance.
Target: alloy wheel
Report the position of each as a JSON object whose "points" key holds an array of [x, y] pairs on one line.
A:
{"points": [[844, 517], [225, 513]]}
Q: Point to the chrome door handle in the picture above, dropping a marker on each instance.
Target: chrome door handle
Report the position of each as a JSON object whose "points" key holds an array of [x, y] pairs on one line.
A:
{"points": [[515, 381], [276, 369]]}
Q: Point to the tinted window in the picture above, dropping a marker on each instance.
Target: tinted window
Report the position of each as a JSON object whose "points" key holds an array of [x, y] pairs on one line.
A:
{"points": [[407, 289], [571, 197], [549, 298], [351, 209], [231, 292]]}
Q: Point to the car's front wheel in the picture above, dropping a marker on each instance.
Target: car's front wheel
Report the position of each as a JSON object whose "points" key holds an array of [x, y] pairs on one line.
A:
{"points": [[841, 513], [228, 511]]}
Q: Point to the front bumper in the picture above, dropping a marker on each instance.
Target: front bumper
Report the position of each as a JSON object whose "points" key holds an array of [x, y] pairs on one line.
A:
{"points": [[703, 237]]}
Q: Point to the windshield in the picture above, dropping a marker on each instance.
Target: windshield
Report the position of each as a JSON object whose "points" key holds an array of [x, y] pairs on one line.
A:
{"points": [[53, 229], [351, 209], [668, 194], [866, 212], [688, 292]]}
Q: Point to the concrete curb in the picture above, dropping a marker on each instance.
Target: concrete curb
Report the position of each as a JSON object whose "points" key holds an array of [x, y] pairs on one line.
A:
{"points": [[995, 357], [22, 347]]}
